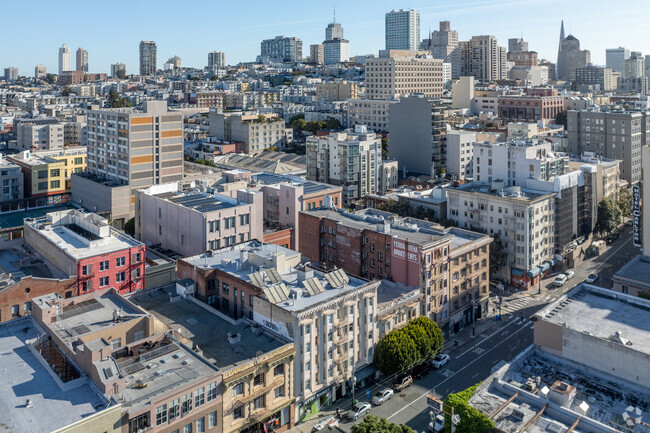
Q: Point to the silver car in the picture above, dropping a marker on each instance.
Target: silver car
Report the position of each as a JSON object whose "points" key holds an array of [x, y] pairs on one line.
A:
{"points": [[358, 410], [381, 396]]}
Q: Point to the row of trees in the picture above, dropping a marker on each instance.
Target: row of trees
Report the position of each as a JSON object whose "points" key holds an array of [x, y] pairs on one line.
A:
{"points": [[299, 124], [372, 424], [611, 213], [411, 345]]}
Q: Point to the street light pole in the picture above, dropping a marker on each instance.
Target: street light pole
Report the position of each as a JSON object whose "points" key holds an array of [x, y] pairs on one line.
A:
{"points": [[539, 290], [354, 382]]}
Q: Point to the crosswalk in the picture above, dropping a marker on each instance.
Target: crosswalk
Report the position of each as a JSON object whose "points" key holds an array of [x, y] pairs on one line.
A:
{"points": [[514, 305]]}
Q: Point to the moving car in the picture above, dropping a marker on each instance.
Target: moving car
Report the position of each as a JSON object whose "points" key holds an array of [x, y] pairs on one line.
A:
{"points": [[560, 280], [419, 371], [569, 274], [381, 396], [440, 360], [438, 424], [592, 278], [358, 410], [402, 382]]}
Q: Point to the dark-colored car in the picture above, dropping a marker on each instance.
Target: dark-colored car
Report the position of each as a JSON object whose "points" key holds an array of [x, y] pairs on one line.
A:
{"points": [[419, 371]]}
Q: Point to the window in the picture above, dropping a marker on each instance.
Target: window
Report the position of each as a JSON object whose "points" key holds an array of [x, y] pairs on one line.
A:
{"points": [[55, 172], [161, 414], [42, 186], [186, 404], [279, 391], [308, 366], [308, 347], [187, 428], [212, 391], [212, 419], [103, 282], [200, 425], [237, 389], [116, 343], [103, 265], [86, 269], [258, 380], [279, 369], [258, 403], [238, 413], [55, 183], [120, 261], [307, 329], [136, 258], [120, 277], [199, 397]]}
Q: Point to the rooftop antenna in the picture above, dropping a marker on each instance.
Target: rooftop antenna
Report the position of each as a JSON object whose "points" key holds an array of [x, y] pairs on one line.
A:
{"points": [[334, 14]]}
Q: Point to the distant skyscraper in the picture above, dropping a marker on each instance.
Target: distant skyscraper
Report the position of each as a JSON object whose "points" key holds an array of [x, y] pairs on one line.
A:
{"points": [[570, 58], [614, 58], [40, 71], [11, 74], [444, 45], [148, 58], [483, 58], [634, 67], [403, 30], [281, 49], [116, 68], [216, 59], [335, 48], [517, 45], [334, 30], [316, 54], [64, 59], [82, 60], [559, 47]]}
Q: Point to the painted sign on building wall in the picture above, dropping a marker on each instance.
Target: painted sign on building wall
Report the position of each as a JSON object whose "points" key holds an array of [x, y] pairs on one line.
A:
{"points": [[636, 215]]}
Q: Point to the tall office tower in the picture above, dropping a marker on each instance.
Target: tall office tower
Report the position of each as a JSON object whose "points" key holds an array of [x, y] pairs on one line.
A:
{"points": [[391, 77], [334, 30], [148, 58], [444, 45], [614, 58], [118, 70], [11, 74], [316, 54], [64, 59], [559, 47], [281, 49], [634, 67], [82, 60], [40, 71], [403, 30], [517, 45], [487, 60], [570, 58], [335, 48], [216, 59]]}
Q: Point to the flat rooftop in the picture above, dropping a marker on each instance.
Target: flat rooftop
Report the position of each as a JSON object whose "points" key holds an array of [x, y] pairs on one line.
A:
{"points": [[207, 330], [636, 269], [25, 377], [485, 188], [309, 187], [603, 313], [602, 404]]}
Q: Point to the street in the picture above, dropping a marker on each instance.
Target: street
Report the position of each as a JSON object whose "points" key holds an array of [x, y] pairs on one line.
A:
{"points": [[496, 342]]}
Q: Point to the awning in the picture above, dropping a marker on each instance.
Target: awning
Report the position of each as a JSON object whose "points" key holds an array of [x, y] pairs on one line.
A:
{"points": [[365, 372], [517, 272], [533, 272], [545, 266]]}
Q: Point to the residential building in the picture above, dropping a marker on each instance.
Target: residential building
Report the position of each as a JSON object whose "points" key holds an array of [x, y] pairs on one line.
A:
{"points": [[350, 159], [207, 99], [449, 265], [118, 69], [460, 154], [43, 176], [416, 127], [82, 60], [64, 59], [281, 49], [12, 183], [610, 134], [483, 58], [192, 222], [40, 71], [317, 54], [522, 218], [594, 78], [336, 48], [75, 132], [402, 29], [444, 45], [39, 133], [529, 107], [424, 200], [634, 277], [259, 132], [392, 77], [216, 59], [614, 58], [86, 246], [607, 172], [11, 74], [73, 158], [462, 93], [638, 85], [336, 90], [388, 172], [634, 67], [571, 58], [148, 58], [370, 112]]}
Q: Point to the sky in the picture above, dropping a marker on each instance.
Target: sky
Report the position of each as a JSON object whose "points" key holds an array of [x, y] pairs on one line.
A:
{"points": [[111, 31]]}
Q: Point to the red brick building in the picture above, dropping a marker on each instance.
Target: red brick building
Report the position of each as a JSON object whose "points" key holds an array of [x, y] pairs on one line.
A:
{"points": [[529, 108], [16, 299], [86, 246]]}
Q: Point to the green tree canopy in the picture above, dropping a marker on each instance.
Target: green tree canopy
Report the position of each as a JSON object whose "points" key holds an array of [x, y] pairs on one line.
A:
{"points": [[296, 117], [561, 118], [609, 216], [129, 227], [50, 79], [498, 254], [472, 420], [332, 123], [384, 147], [625, 202], [372, 424]]}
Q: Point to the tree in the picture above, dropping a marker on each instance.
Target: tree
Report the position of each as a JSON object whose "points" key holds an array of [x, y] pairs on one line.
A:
{"points": [[625, 202], [561, 118], [609, 216], [332, 123], [413, 344], [129, 227], [66, 91], [116, 101], [498, 255], [261, 118], [384, 147], [296, 117], [372, 424], [121, 74], [298, 125], [472, 420], [314, 125], [50, 79]]}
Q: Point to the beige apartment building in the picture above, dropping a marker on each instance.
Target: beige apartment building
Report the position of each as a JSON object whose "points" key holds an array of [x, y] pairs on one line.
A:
{"points": [[336, 91], [259, 132], [393, 77], [34, 134]]}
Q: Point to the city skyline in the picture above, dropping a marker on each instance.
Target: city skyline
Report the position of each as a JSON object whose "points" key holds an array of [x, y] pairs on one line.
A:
{"points": [[502, 19]]}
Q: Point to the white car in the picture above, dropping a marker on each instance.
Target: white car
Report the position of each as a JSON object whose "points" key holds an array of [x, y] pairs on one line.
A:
{"points": [[440, 360], [381, 396], [358, 410], [560, 280], [569, 274], [592, 278]]}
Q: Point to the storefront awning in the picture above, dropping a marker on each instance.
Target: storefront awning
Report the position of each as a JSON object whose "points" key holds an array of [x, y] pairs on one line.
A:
{"points": [[533, 272], [545, 266], [365, 372], [517, 272]]}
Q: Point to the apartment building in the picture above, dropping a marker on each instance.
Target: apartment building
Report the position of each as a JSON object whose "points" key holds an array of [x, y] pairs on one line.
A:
{"points": [[43, 176], [607, 172], [192, 222], [208, 99], [460, 153], [370, 112], [350, 159], [75, 132], [281, 49], [594, 78], [74, 160], [317, 54], [12, 183], [611, 134], [449, 265], [259, 132], [483, 58], [336, 91], [216, 59], [85, 245], [148, 58], [402, 29], [529, 108], [399, 76], [34, 134], [523, 219]]}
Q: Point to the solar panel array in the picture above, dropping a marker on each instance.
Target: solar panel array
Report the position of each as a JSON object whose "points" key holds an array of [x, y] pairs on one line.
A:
{"points": [[337, 278], [273, 275], [313, 286], [257, 279], [277, 293]]}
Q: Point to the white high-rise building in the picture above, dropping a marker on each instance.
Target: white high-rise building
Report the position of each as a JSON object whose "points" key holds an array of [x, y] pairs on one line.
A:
{"points": [[403, 30], [216, 58], [64, 59], [40, 71], [335, 48], [401, 76], [614, 58]]}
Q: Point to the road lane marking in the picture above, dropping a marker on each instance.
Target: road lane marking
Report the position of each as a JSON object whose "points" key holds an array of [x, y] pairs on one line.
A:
{"points": [[458, 371], [486, 338]]}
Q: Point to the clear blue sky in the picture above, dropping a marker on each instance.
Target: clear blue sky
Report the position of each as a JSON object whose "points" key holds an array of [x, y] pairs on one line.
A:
{"points": [[111, 31]]}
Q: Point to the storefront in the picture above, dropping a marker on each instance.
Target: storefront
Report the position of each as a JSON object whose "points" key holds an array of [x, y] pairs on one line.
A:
{"points": [[315, 403], [277, 422]]}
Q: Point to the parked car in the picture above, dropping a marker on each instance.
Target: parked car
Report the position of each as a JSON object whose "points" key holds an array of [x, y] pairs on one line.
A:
{"points": [[419, 371], [402, 382], [560, 280], [358, 410], [569, 274], [438, 424], [592, 278], [381, 396], [440, 360], [330, 422]]}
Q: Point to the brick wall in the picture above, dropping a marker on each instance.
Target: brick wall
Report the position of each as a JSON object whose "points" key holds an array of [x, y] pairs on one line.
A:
{"points": [[29, 288]]}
